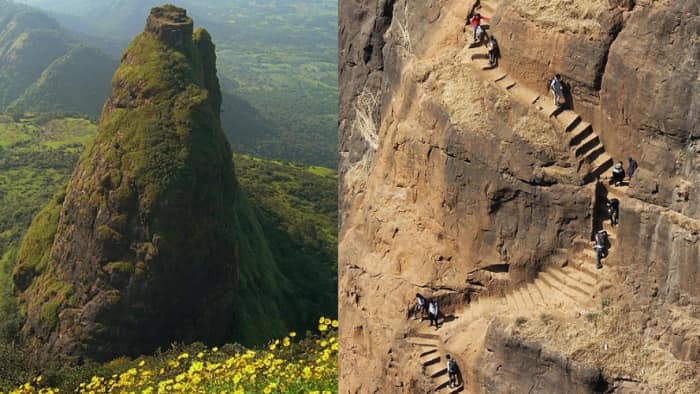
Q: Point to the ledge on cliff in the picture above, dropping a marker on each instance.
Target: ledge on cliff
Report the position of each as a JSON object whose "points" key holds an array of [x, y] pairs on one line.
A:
{"points": [[170, 24]]}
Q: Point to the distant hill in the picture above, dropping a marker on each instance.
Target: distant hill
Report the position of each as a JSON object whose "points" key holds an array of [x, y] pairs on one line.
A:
{"points": [[281, 57], [74, 82], [43, 68]]}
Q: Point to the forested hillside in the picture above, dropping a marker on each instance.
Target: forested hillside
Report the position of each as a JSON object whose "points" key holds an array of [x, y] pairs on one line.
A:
{"points": [[296, 205], [279, 57], [44, 68]]}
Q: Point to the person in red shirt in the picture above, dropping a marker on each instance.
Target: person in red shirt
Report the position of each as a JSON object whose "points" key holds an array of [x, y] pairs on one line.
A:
{"points": [[476, 24]]}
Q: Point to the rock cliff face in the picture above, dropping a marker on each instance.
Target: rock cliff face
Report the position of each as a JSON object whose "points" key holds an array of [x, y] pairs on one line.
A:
{"points": [[144, 251], [462, 181]]}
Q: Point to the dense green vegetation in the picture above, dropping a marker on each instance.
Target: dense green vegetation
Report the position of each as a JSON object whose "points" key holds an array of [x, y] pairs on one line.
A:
{"points": [[279, 56], [36, 158], [43, 68], [294, 206]]}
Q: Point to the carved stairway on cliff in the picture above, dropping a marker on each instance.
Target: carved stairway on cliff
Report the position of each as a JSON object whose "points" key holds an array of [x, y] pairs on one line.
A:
{"points": [[571, 282], [586, 147], [433, 364]]}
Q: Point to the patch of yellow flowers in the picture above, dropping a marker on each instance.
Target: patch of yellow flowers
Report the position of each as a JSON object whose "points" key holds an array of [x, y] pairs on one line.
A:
{"points": [[309, 366]]}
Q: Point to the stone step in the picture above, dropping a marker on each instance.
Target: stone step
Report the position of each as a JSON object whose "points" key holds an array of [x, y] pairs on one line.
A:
{"points": [[438, 372], [569, 119], [529, 299], [444, 387], [507, 83], [426, 335], [548, 108], [499, 77], [524, 94], [536, 294], [586, 144], [428, 352], [602, 163], [519, 301], [592, 155], [576, 275], [599, 166], [545, 290], [572, 284], [430, 360], [587, 268], [580, 132], [510, 302], [557, 286], [457, 389], [421, 342]]}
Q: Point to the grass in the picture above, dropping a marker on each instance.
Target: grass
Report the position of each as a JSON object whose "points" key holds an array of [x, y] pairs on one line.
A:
{"points": [[36, 159]]}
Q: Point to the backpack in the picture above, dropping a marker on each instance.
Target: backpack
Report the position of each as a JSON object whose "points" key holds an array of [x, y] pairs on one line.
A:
{"points": [[451, 366]]}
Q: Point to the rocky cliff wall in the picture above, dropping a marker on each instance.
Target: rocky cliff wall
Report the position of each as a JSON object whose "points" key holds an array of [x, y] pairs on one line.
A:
{"points": [[454, 188]]}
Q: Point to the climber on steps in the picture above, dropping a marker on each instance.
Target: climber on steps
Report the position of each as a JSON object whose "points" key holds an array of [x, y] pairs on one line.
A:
{"points": [[493, 51], [420, 307], [452, 371], [477, 29], [614, 211], [600, 247], [557, 89], [433, 312], [632, 167], [618, 174]]}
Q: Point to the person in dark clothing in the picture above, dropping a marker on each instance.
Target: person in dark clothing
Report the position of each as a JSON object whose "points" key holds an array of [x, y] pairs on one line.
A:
{"points": [[614, 211], [452, 371], [420, 307], [632, 167], [600, 247], [618, 174], [493, 51]]}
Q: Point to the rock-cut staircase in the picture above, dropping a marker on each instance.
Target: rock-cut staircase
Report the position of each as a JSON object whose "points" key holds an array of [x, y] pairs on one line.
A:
{"points": [[433, 363], [586, 147], [571, 284]]}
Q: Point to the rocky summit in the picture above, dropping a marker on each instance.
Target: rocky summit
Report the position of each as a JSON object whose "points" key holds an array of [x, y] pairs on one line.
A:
{"points": [[140, 249], [463, 180]]}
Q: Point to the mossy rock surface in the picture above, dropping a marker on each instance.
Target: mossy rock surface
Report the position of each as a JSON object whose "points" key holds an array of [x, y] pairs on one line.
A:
{"points": [[146, 236]]}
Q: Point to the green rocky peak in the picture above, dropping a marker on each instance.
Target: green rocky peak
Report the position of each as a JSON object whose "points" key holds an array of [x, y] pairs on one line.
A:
{"points": [[144, 251]]}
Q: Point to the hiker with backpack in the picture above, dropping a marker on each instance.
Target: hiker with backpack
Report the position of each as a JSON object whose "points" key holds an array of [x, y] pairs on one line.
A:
{"points": [[618, 174], [433, 312], [557, 89], [452, 371], [493, 51], [420, 307], [631, 167], [477, 29], [614, 211]]}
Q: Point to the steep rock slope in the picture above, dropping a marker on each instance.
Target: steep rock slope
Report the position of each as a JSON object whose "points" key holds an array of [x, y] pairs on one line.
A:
{"points": [[151, 226], [463, 182], [39, 62]]}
